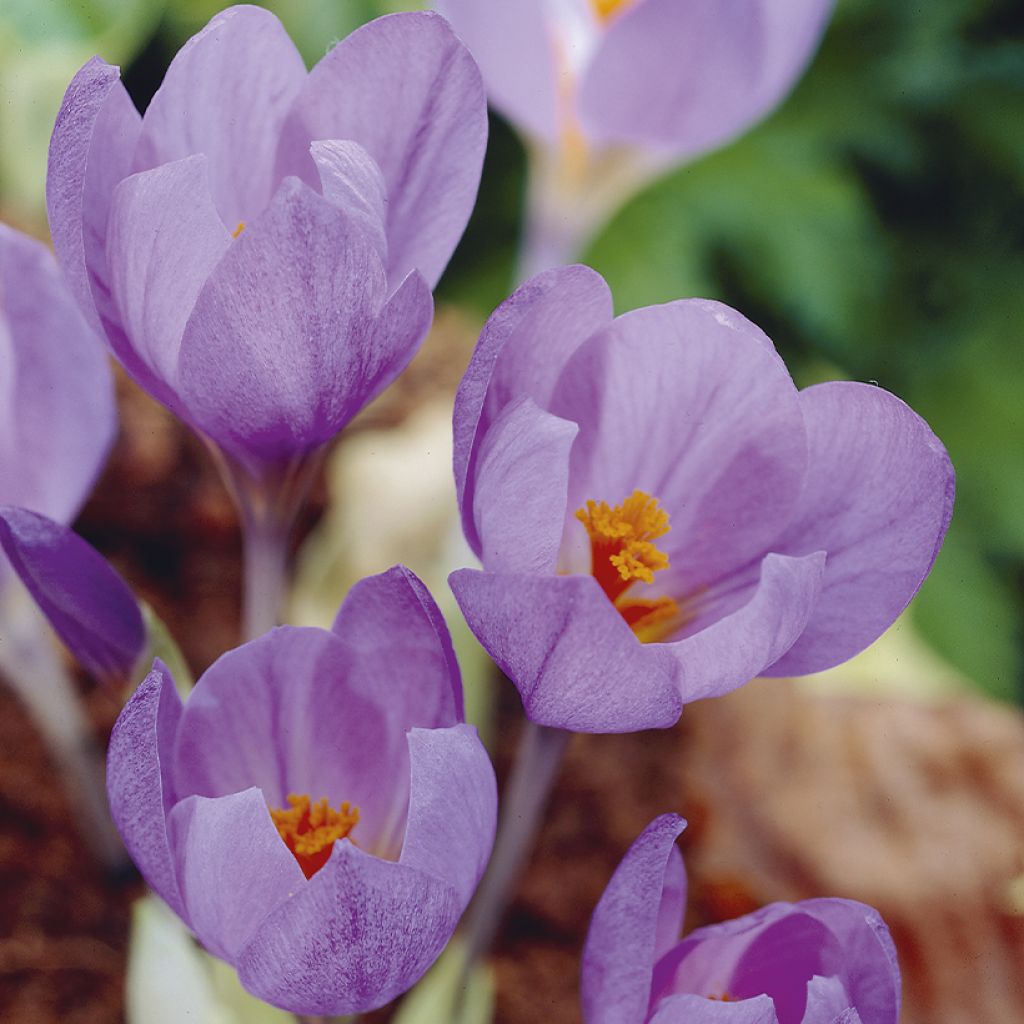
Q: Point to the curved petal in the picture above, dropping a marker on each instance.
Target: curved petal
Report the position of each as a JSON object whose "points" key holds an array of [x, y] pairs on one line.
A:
{"points": [[623, 939], [401, 650], [878, 498], [360, 933], [233, 869], [406, 90], [688, 402], [575, 662], [351, 179], [522, 350], [522, 479], [453, 807], [827, 1001], [57, 412], [165, 239], [140, 786], [226, 95], [687, 77], [689, 1009], [513, 46], [87, 603], [90, 152], [737, 647]]}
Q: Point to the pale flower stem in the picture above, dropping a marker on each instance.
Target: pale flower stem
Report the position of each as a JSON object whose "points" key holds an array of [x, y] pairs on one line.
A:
{"points": [[264, 575]]}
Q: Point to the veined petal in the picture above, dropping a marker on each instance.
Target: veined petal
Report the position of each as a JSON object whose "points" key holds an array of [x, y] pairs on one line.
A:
{"points": [[878, 498], [575, 662], [827, 1001], [408, 91], [226, 95], [361, 932], [689, 1009]]}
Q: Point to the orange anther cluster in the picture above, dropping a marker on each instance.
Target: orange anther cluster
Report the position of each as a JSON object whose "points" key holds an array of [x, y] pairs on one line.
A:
{"points": [[607, 9], [239, 229], [310, 830]]}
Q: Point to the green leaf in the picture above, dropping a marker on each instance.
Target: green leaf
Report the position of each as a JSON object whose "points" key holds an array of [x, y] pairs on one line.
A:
{"points": [[434, 999]]}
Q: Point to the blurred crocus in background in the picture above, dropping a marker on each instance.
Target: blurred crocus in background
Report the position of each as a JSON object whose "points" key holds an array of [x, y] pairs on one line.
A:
{"points": [[610, 93], [821, 961]]}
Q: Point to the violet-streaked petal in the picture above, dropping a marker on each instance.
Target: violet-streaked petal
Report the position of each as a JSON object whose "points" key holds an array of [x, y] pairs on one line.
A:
{"points": [[140, 783], [878, 498], [575, 662], [57, 412], [732, 650], [226, 95], [165, 239], [233, 868], [521, 352], [85, 600], [689, 403], [827, 1000], [522, 480], [690, 1009], [400, 650], [407, 90], [91, 150], [513, 46], [683, 78], [351, 179], [453, 805], [623, 938], [360, 933]]}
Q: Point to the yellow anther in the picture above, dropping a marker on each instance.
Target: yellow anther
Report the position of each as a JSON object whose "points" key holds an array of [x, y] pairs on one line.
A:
{"points": [[310, 830], [608, 9], [239, 229]]}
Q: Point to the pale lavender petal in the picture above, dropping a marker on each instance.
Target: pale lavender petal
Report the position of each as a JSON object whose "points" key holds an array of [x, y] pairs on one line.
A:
{"points": [[521, 352], [878, 498], [453, 805], [575, 662], [90, 152], [683, 78], [140, 784], [827, 1000], [57, 411], [233, 868], [351, 179], [513, 46], [690, 1009], [689, 403], [87, 603], [672, 909], [401, 651], [406, 90], [226, 94], [623, 939], [850, 1016], [360, 933], [737, 647], [165, 239], [522, 479]]}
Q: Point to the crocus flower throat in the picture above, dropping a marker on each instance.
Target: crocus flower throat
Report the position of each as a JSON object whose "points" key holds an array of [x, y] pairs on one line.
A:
{"points": [[310, 830], [608, 9]]}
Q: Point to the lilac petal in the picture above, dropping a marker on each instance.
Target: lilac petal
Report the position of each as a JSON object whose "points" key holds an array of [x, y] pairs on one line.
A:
{"points": [[453, 806], [850, 1016], [513, 46], [351, 179], [878, 498], [827, 1000], [165, 239], [737, 647], [521, 352], [522, 480], [575, 662], [623, 939], [140, 784], [687, 77], [87, 603], [401, 651], [672, 908], [90, 152], [406, 90], [233, 868], [226, 95], [57, 411], [360, 933], [690, 1009]]}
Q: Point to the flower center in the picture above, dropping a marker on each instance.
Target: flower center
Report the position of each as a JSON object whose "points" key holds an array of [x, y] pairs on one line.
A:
{"points": [[622, 551], [239, 229], [310, 830], [607, 9]]}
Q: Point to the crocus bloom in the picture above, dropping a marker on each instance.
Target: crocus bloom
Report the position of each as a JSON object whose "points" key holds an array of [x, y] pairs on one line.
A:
{"points": [[823, 961], [662, 516], [316, 812], [259, 247]]}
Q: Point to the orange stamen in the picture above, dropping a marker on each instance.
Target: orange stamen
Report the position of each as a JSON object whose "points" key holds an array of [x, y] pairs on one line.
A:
{"points": [[239, 229], [608, 9], [310, 830]]}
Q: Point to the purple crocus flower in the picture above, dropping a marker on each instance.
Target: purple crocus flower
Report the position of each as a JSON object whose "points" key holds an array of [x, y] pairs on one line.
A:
{"points": [[317, 812], [662, 516], [259, 247], [823, 961]]}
